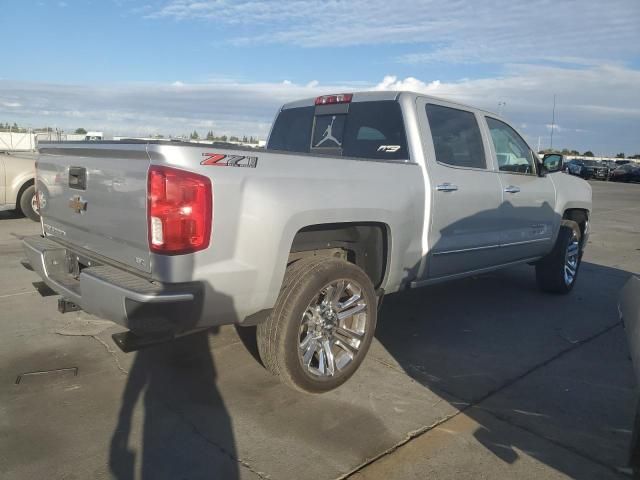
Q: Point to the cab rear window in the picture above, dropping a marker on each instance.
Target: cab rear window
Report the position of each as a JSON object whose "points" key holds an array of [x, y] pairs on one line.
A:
{"points": [[360, 129], [291, 130]]}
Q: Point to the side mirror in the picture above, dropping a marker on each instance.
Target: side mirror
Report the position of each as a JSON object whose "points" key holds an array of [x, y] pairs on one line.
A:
{"points": [[552, 162]]}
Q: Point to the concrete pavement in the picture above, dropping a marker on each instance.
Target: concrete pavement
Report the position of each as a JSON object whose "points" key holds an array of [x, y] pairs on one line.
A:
{"points": [[481, 378]]}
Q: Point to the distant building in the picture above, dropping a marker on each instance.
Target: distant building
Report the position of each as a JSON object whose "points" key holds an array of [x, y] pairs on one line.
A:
{"points": [[94, 136]]}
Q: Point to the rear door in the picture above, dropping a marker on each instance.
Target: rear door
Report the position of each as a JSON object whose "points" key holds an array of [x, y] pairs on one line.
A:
{"points": [[464, 233], [527, 207]]}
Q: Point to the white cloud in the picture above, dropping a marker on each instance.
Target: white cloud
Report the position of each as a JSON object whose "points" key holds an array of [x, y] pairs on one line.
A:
{"points": [[598, 107], [391, 82], [227, 107], [456, 31]]}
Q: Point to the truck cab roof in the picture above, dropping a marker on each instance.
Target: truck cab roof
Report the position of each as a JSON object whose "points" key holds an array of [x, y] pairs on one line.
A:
{"points": [[382, 95]]}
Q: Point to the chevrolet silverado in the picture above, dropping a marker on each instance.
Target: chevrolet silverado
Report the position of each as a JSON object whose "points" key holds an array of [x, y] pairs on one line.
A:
{"points": [[355, 196]]}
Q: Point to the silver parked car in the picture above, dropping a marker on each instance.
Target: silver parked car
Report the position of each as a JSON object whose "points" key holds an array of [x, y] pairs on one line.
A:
{"points": [[17, 186], [355, 196]]}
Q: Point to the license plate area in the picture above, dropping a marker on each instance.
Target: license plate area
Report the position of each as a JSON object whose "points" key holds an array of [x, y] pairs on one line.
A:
{"points": [[75, 263]]}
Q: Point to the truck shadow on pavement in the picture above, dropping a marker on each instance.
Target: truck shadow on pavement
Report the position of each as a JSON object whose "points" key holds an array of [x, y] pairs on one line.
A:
{"points": [[10, 215], [471, 341], [475, 339], [167, 378]]}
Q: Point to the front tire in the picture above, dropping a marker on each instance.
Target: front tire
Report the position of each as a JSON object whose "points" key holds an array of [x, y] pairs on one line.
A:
{"points": [[28, 204], [321, 326], [558, 271]]}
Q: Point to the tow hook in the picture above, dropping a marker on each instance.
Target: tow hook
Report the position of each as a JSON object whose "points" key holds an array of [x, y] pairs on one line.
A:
{"points": [[65, 306]]}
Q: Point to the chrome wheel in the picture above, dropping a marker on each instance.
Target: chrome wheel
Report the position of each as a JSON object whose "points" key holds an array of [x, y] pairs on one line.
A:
{"points": [[34, 202], [572, 258], [332, 329]]}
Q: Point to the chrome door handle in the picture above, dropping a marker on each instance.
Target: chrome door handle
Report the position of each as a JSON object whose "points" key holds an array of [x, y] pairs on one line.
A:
{"points": [[512, 189], [446, 187]]}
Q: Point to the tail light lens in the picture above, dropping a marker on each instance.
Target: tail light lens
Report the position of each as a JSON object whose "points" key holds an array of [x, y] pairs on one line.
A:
{"points": [[333, 99], [179, 211]]}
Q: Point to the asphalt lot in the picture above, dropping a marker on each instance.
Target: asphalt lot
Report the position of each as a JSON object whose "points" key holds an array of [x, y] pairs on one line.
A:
{"points": [[481, 378]]}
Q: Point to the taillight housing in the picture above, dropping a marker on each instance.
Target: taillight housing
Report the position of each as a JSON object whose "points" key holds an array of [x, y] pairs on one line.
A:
{"points": [[333, 99], [179, 211]]}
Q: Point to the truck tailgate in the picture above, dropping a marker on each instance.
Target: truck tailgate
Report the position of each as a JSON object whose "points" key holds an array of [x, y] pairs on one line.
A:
{"points": [[94, 196]]}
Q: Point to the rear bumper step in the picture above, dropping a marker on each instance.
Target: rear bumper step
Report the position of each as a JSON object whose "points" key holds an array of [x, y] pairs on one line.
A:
{"points": [[130, 342], [144, 307], [65, 306]]}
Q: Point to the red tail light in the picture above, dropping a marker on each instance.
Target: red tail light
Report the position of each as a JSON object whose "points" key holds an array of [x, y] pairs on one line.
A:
{"points": [[331, 99], [179, 211]]}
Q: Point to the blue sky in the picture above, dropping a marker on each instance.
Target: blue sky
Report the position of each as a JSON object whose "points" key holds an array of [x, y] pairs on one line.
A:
{"points": [[169, 66]]}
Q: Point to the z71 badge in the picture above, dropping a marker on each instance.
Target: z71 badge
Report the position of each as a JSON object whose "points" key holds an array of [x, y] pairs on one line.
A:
{"points": [[221, 160]]}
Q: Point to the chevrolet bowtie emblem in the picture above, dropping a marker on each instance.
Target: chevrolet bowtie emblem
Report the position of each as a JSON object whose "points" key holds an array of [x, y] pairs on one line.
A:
{"points": [[77, 204]]}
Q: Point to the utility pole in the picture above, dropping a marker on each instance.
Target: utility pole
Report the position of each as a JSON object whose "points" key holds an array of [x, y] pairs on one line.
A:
{"points": [[553, 120]]}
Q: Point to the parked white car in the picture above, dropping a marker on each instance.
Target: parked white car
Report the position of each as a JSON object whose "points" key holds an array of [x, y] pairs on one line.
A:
{"points": [[17, 190]]}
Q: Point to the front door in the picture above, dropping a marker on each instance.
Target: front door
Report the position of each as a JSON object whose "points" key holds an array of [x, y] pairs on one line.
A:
{"points": [[464, 233], [527, 207]]}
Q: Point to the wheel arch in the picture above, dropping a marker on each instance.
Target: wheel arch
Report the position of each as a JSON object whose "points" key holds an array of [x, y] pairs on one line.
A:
{"points": [[21, 190], [366, 244], [578, 215], [581, 217]]}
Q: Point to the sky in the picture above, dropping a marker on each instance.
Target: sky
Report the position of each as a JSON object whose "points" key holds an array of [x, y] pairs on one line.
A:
{"points": [[168, 67]]}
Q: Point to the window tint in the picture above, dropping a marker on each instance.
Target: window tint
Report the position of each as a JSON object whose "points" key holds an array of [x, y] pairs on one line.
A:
{"points": [[368, 133], [292, 130], [367, 130], [456, 137], [512, 152], [375, 130]]}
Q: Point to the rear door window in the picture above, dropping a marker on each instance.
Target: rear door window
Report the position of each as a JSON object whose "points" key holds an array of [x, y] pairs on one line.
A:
{"points": [[456, 137], [359, 129]]}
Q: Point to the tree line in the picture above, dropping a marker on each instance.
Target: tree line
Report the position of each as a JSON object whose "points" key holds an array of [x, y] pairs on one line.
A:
{"points": [[222, 138], [7, 127]]}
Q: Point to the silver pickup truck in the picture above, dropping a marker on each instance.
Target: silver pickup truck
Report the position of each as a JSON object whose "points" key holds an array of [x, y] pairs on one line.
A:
{"points": [[355, 196]]}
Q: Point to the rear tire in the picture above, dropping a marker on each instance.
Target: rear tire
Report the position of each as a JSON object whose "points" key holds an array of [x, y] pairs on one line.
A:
{"points": [[27, 204], [558, 271], [321, 326]]}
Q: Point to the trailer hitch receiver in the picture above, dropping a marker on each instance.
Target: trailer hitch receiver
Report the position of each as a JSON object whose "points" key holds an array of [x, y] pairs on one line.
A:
{"points": [[65, 306]]}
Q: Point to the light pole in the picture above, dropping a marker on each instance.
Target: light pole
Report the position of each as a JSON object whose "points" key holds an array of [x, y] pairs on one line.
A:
{"points": [[553, 120], [500, 105]]}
